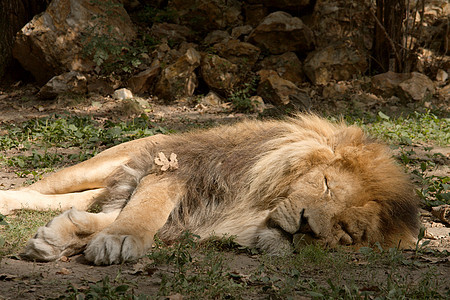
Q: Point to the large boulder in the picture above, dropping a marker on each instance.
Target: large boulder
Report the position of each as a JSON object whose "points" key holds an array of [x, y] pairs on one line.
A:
{"points": [[335, 62], [280, 32], [408, 86], [243, 54], [52, 42], [179, 79]]}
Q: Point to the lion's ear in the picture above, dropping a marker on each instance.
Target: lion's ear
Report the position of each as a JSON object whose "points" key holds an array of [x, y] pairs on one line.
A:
{"points": [[285, 215]]}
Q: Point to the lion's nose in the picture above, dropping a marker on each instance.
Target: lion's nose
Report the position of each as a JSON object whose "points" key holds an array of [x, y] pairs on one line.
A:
{"points": [[304, 226]]}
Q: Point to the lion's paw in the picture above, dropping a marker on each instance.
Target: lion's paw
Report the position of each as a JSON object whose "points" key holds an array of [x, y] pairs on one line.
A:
{"points": [[107, 249], [348, 233], [65, 235], [46, 245]]}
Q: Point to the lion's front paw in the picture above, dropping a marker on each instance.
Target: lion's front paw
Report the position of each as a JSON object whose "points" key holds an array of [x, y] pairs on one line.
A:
{"points": [[106, 249], [347, 231]]}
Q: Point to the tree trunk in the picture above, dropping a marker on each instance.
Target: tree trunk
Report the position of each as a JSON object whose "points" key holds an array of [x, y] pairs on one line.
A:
{"points": [[14, 14], [387, 52]]}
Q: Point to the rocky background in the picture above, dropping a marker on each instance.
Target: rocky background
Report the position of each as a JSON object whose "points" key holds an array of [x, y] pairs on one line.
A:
{"points": [[252, 55]]}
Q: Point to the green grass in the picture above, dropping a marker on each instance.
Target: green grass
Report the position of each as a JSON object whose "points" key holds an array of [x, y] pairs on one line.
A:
{"points": [[41, 142], [198, 270], [414, 128]]}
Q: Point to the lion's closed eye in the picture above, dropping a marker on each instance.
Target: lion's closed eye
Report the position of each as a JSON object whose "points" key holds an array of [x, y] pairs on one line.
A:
{"points": [[326, 187]]}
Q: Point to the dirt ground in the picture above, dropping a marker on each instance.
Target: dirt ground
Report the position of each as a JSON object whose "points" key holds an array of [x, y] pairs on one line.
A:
{"points": [[29, 280]]}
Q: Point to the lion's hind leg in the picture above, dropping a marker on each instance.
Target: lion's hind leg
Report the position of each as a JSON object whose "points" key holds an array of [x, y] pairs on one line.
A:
{"points": [[13, 200], [67, 234]]}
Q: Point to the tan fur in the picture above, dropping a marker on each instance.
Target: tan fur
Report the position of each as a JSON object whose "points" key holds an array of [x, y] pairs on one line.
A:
{"points": [[265, 182]]}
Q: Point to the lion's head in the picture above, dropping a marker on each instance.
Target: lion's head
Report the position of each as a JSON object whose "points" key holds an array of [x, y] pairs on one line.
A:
{"points": [[342, 188]]}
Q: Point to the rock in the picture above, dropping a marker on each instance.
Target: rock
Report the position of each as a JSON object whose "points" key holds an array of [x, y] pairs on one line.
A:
{"points": [[70, 82], [254, 13], [172, 32], [130, 5], [441, 75], [290, 5], [143, 82], [417, 87], [287, 66], [129, 107], [51, 43], [216, 36], [442, 212], [184, 47], [178, 79], [279, 32], [436, 32], [406, 86], [336, 91], [218, 73], [101, 86], [239, 31], [436, 233], [258, 104], [264, 74], [445, 92], [272, 88], [334, 21], [335, 62], [388, 82], [207, 15], [211, 99], [243, 54], [122, 94]]}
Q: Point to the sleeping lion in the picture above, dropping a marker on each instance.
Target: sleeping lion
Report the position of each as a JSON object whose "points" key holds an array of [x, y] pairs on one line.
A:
{"points": [[264, 182]]}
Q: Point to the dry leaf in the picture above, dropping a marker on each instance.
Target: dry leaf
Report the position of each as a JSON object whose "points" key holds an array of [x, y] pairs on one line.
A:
{"points": [[143, 267], [64, 259], [63, 271], [442, 212], [167, 164], [173, 162]]}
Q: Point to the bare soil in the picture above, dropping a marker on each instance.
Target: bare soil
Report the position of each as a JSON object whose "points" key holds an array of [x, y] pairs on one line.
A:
{"points": [[30, 280]]}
